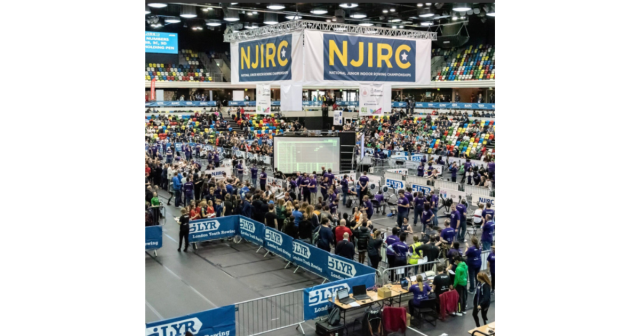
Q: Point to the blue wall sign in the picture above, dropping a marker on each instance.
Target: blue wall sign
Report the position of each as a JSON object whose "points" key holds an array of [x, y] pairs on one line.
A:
{"points": [[160, 43], [316, 299], [218, 321], [251, 230], [278, 243], [212, 228]]}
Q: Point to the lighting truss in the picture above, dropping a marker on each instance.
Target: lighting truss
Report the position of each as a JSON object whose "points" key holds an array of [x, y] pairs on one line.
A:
{"points": [[329, 27]]}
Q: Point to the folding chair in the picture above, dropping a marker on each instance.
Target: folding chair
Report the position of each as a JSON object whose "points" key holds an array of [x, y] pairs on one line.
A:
{"points": [[427, 311]]}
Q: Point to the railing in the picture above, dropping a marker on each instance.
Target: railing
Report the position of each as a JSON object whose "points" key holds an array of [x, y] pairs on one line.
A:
{"points": [[270, 313], [395, 274]]}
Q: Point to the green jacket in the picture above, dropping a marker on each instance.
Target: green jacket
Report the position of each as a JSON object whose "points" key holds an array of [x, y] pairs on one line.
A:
{"points": [[461, 275], [155, 201]]}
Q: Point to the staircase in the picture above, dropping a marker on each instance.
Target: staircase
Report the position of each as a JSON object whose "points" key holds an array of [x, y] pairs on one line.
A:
{"points": [[211, 67], [225, 66], [436, 64]]}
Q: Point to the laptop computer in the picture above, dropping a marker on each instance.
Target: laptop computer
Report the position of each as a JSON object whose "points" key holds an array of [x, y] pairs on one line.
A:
{"points": [[343, 296], [360, 292]]}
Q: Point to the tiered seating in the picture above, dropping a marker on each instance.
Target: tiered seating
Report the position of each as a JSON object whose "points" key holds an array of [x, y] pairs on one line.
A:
{"points": [[470, 63], [263, 126], [455, 137], [193, 71], [184, 123]]}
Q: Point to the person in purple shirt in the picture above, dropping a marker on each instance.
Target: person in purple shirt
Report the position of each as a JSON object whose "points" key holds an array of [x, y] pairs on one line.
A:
{"points": [[263, 180], [329, 175], [473, 261], [299, 184], [427, 217], [368, 206], [488, 233], [313, 188], [424, 159], [333, 207], [345, 188], [254, 175], [418, 207], [364, 186], [447, 233], [491, 168], [421, 170], [462, 225], [488, 211], [400, 250], [379, 197], [306, 194], [467, 165], [392, 239], [454, 172], [240, 171], [434, 207], [216, 159], [455, 220], [491, 260], [324, 187], [403, 207]]}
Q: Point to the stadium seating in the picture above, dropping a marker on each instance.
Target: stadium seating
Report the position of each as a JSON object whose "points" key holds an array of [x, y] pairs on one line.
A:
{"points": [[192, 71], [467, 63]]}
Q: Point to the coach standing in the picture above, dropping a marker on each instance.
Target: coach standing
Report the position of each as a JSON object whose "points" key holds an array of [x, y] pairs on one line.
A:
{"points": [[364, 186], [263, 180]]}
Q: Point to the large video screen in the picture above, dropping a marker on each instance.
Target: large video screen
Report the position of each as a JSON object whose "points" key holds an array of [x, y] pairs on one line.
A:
{"points": [[306, 154], [161, 43]]}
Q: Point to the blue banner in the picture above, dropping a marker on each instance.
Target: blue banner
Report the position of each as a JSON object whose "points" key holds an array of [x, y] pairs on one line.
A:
{"points": [[214, 228], [358, 58], [396, 184], [251, 230], [278, 243], [152, 237], [180, 104], [214, 322], [339, 268], [460, 106], [422, 188], [310, 257], [316, 299], [265, 59]]}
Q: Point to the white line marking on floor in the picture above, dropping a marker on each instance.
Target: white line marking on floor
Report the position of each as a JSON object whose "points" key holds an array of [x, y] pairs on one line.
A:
{"points": [[153, 310], [168, 236], [200, 294]]}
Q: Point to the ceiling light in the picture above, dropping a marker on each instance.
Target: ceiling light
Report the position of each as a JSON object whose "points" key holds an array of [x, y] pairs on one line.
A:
{"points": [[206, 9], [213, 23], [419, 5], [147, 10], [426, 23], [425, 13], [395, 20], [348, 5], [252, 26], [334, 19], [254, 13], [394, 27], [293, 17], [196, 28], [358, 15], [392, 10], [172, 19], [476, 11], [366, 24], [401, 27], [188, 12], [385, 11], [233, 3], [340, 29], [276, 6], [328, 20], [461, 7], [250, 13], [428, 4], [455, 18], [231, 16], [270, 18], [319, 11], [407, 22], [157, 5]]}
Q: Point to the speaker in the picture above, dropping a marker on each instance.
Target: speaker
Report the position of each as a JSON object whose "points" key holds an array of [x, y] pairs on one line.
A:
{"points": [[452, 36]]}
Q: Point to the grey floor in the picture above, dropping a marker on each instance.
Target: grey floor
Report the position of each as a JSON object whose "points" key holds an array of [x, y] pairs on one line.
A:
{"points": [[223, 273]]}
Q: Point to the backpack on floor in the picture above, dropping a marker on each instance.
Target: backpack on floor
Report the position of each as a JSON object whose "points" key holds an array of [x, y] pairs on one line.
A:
{"points": [[349, 203], [372, 322]]}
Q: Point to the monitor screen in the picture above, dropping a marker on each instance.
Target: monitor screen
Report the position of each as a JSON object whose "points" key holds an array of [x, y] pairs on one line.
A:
{"points": [[306, 154], [160, 43], [359, 290], [343, 293]]}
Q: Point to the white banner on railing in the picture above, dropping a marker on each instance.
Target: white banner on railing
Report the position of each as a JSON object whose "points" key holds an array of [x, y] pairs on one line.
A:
{"points": [[337, 118], [475, 198], [455, 195], [263, 98], [401, 171]]}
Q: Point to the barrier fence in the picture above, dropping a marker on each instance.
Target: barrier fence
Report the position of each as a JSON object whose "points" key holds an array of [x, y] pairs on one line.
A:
{"points": [[270, 313]]}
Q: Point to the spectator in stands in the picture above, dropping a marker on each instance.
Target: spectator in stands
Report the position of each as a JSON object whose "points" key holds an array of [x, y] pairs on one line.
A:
{"points": [[345, 247]]}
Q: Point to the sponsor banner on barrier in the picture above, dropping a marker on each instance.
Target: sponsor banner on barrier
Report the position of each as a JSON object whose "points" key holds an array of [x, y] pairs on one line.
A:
{"points": [[475, 198], [278, 243], [316, 299], [396, 184], [455, 195], [310, 257], [214, 322], [403, 171], [421, 188], [342, 268], [180, 104], [218, 172], [251, 230], [213, 228], [152, 237], [469, 106]]}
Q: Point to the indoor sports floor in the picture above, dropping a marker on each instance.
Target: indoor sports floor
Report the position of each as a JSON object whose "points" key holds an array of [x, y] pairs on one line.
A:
{"points": [[223, 273]]}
